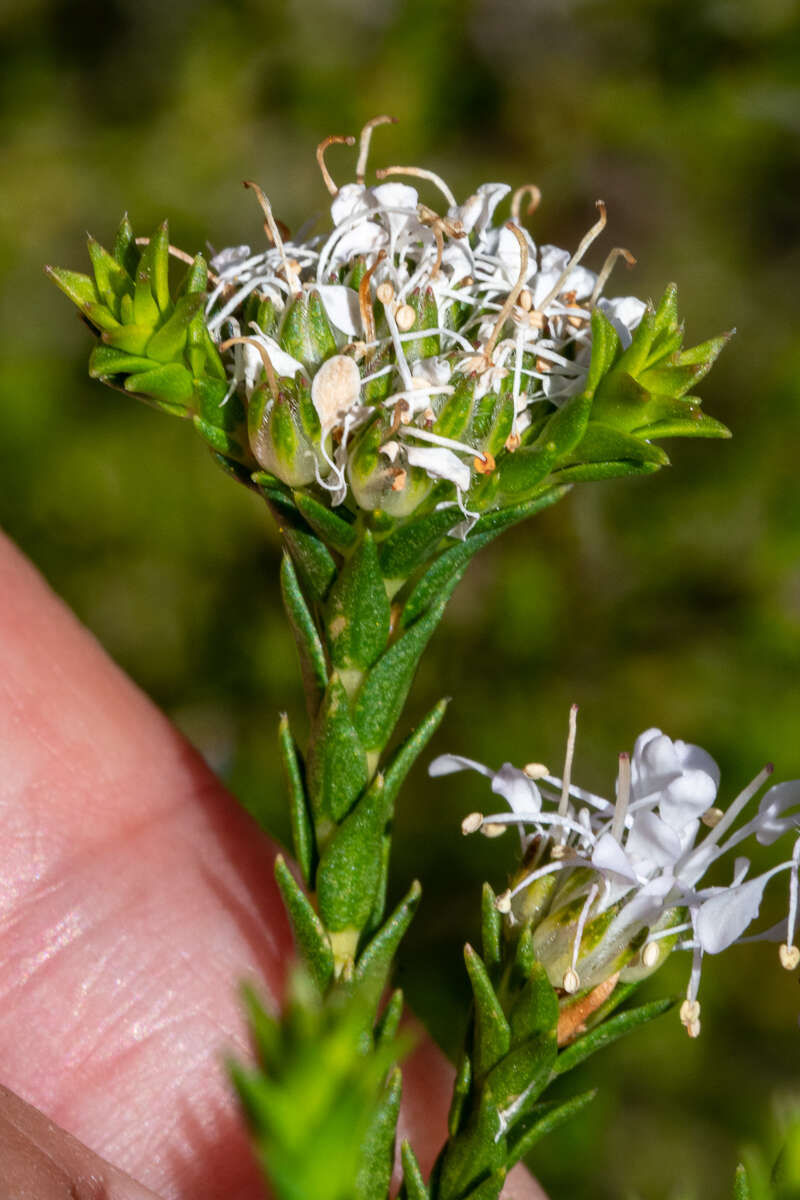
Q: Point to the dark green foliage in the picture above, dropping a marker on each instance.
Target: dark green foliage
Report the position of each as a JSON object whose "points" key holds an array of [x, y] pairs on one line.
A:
{"points": [[311, 939], [309, 646]]}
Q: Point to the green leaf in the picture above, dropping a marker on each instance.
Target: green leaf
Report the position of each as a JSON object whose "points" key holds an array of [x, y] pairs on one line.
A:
{"points": [[491, 930], [358, 611], [384, 692], [587, 472], [462, 1086], [519, 473], [336, 532], [337, 763], [409, 750], [375, 961], [605, 344], [125, 250], [491, 1187], [305, 850], [543, 1120], [492, 1037], [170, 384], [610, 1031], [377, 1148], [112, 281], [306, 333], [741, 1184], [78, 288], [520, 1078], [350, 866], [107, 360], [414, 1186], [535, 1009], [605, 443], [441, 578], [310, 555], [567, 426], [388, 1023], [693, 422], [414, 542], [313, 667], [504, 518], [169, 342], [312, 941]]}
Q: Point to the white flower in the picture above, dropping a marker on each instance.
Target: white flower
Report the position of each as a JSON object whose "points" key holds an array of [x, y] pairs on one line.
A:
{"points": [[503, 308], [615, 886]]}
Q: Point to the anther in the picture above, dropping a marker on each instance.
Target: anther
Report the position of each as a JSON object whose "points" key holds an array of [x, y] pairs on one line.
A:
{"points": [[269, 370], [512, 442], [712, 816], [535, 770], [789, 956], [333, 139], [492, 829], [527, 189], [399, 480], [537, 319], [503, 902], [571, 981], [525, 300], [650, 955], [471, 823], [384, 292], [484, 465], [364, 141], [693, 1029], [690, 1012], [558, 850], [405, 318]]}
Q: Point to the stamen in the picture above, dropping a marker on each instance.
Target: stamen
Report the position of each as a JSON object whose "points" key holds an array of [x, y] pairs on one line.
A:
{"points": [[563, 803], [582, 919], [789, 956], [420, 173], [485, 465], [274, 234], [503, 902], [584, 245], [739, 803], [333, 139], [511, 299], [385, 292], [690, 1011], [527, 189], [367, 315], [712, 817], [623, 796], [364, 141], [607, 268], [269, 370], [438, 439], [525, 300], [789, 953], [492, 830]]}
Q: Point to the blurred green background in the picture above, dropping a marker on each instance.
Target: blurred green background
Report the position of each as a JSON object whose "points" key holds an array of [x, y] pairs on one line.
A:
{"points": [[672, 601]]}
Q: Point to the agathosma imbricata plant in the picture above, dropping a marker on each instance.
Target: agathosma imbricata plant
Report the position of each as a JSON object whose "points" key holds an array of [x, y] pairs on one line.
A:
{"points": [[401, 388]]}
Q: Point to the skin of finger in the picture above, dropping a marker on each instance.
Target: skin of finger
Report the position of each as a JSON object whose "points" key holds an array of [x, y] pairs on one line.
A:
{"points": [[40, 1160], [133, 893]]}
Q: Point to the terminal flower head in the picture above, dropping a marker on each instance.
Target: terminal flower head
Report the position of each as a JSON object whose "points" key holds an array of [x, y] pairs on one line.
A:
{"points": [[422, 350], [616, 885]]}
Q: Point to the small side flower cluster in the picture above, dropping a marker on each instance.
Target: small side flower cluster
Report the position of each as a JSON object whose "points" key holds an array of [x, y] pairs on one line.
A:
{"points": [[612, 887]]}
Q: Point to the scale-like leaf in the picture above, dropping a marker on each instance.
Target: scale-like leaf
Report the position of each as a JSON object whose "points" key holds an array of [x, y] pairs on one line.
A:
{"points": [[312, 940], [302, 831], [313, 667]]}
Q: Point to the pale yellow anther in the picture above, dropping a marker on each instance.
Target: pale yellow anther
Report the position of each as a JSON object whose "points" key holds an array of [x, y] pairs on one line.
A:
{"points": [[558, 850], [693, 1029], [535, 770], [471, 823], [690, 1013], [542, 365], [789, 956], [525, 300], [571, 981], [492, 829], [405, 318], [484, 464], [536, 319], [503, 902], [712, 817], [399, 480], [512, 442], [385, 292], [650, 955]]}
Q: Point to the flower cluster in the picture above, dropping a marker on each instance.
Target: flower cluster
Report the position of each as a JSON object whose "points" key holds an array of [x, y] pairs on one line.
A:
{"points": [[611, 888]]}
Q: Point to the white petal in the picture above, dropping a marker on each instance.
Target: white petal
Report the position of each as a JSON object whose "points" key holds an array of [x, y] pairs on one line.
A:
{"points": [[624, 313], [771, 821], [440, 464], [447, 764], [608, 856], [283, 364], [229, 257], [696, 758], [342, 308], [651, 843], [520, 793], [349, 200], [687, 797], [477, 210], [723, 918]]}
